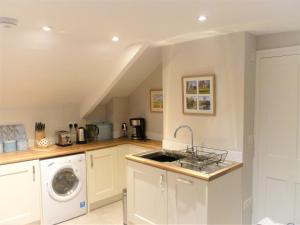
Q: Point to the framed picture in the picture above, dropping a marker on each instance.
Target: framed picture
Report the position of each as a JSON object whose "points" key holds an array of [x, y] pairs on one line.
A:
{"points": [[156, 100], [198, 95]]}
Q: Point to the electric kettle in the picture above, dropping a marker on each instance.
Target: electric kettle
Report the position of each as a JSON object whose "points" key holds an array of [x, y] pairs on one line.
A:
{"points": [[81, 135]]}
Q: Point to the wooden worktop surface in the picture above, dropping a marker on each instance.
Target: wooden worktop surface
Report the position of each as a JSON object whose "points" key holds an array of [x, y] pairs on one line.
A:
{"points": [[188, 172], [53, 151]]}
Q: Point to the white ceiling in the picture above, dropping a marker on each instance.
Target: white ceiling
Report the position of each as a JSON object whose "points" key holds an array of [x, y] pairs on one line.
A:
{"points": [[68, 64]]}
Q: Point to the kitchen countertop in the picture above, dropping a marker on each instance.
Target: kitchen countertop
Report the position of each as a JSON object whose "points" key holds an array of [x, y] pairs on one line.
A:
{"points": [[177, 169], [53, 151]]}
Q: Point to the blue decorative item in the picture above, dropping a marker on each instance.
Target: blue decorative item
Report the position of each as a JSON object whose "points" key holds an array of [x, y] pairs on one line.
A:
{"points": [[13, 137], [22, 145], [10, 146]]}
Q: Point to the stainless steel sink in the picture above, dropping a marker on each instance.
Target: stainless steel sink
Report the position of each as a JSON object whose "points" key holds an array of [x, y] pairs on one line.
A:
{"points": [[203, 161], [163, 156]]}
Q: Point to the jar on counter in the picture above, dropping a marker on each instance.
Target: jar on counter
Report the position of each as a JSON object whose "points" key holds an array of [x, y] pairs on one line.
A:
{"points": [[10, 146], [22, 145]]}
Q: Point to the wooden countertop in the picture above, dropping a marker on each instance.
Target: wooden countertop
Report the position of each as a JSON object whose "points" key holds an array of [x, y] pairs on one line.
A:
{"points": [[53, 151], [188, 172]]}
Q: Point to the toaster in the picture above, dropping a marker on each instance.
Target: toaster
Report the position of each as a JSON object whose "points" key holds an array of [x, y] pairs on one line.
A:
{"points": [[63, 138]]}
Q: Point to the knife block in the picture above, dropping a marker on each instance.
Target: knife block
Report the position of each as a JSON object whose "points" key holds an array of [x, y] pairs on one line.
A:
{"points": [[39, 135]]}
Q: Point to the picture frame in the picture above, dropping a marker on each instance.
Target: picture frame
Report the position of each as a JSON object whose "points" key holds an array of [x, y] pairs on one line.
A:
{"points": [[198, 95], [156, 100]]}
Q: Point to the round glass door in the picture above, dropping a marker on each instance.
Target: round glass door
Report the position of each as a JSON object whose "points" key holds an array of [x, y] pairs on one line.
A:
{"points": [[65, 184]]}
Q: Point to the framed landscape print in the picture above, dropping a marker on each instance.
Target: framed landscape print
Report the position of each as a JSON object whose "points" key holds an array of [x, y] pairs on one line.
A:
{"points": [[156, 100], [198, 93]]}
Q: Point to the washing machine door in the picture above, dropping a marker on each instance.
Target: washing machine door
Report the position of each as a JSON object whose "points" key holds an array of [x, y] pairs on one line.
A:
{"points": [[64, 184]]}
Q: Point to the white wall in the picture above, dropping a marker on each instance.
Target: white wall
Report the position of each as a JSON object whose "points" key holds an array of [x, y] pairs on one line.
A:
{"points": [[279, 40], [139, 104], [249, 100], [55, 118], [223, 56], [98, 115], [117, 113], [120, 109], [232, 59]]}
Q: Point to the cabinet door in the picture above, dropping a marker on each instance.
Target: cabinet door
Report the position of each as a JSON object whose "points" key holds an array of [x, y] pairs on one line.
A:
{"points": [[20, 193], [102, 173], [147, 194], [186, 200]]}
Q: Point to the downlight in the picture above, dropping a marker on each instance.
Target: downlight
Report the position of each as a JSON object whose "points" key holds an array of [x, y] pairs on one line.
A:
{"points": [[8, 22]]}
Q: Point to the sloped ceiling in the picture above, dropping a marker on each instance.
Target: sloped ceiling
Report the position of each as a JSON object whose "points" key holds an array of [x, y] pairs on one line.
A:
{"points": [[144, 65], [76, 63]]}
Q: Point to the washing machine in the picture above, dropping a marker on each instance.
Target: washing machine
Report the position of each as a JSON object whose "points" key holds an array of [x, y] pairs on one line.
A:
{"points": [[63, 181]]}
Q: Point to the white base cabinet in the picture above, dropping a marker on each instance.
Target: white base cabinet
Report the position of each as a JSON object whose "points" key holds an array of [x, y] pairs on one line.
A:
{"points": [[20, 193], [187, 199], [147, 192], [157, 196], [107, 173], [102, 171]]}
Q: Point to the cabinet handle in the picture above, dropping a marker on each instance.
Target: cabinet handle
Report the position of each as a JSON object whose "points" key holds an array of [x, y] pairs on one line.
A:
{"points": [[161, 183], [92, 161], [185, 181], [33, 173]]}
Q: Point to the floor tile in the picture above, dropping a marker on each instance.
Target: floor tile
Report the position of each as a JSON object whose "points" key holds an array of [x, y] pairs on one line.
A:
{"points": [[110, 214]]}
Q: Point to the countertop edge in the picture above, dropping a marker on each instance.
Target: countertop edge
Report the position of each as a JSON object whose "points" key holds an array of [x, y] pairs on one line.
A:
{"points": [[184, 171]]}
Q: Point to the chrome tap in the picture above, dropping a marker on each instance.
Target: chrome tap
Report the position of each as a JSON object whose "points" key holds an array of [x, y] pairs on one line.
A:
{"points": [[192, 135]]}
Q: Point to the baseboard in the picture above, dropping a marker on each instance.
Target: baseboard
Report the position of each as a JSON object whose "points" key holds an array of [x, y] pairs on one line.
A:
{"points": [[104, 202]]}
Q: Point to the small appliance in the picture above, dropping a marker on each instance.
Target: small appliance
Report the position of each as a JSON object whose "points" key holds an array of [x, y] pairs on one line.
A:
{"points": [[105, 131], [63, 188], [63, 138], [81, 135], [92, 131], [138, 128]]}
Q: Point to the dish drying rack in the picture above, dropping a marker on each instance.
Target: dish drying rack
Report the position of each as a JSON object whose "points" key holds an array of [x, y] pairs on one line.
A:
{"points": [[203, 156]]}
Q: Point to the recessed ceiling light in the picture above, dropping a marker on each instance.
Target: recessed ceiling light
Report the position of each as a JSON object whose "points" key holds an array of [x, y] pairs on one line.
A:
{"points": [[115, 39], [202, 18], [46, 28]]}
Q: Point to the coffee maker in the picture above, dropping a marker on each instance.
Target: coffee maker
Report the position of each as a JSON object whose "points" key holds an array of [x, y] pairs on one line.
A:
{"points": [[138, 128]]}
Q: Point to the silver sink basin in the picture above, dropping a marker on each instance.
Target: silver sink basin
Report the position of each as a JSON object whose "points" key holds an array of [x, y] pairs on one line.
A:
{"points": [[163, 156]]}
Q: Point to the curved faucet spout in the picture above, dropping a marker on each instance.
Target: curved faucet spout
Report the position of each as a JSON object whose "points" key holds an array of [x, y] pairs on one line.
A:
{"points": [[191, 131]]}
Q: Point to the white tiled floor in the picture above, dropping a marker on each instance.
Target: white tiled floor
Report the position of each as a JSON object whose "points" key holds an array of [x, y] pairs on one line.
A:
{"points": [[110, 214]]}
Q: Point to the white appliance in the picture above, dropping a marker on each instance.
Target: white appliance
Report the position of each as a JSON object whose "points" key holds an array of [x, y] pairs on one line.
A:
{"points": [[63, 182]]}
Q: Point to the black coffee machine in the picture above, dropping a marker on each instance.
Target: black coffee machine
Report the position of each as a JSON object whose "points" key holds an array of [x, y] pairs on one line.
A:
{"points": [[138, 128]]}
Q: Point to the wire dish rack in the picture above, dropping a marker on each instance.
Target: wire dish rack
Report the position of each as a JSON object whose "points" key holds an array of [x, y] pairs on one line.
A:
{"points": [[203, 156]]}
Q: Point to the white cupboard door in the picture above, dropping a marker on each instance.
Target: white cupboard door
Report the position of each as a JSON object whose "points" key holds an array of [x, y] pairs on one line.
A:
{"points": [[186, 199], [147, 194], [277, 193], [20, 193], [102, 171]]}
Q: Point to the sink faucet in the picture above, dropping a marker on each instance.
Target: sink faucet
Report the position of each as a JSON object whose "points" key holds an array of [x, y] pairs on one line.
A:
{"points": [[192, 135]]}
